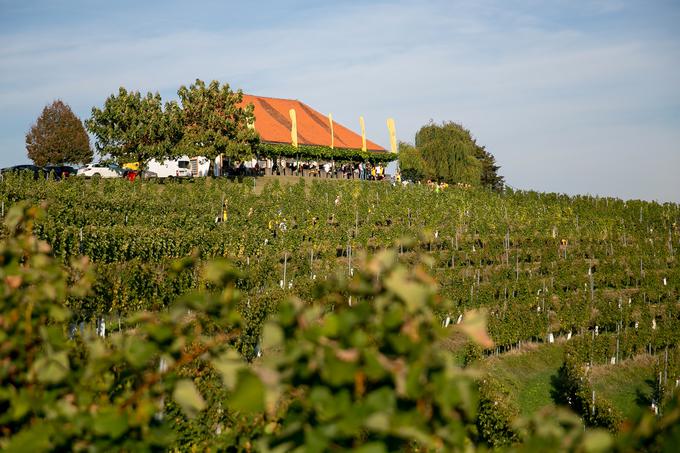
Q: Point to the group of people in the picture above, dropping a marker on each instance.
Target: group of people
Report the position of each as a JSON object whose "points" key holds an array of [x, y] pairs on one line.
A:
{"points": [[437, 186], [282, 166], [361, 170]]}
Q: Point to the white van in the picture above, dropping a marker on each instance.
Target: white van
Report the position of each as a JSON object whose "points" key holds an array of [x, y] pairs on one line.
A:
{"points": [[171, 168]]}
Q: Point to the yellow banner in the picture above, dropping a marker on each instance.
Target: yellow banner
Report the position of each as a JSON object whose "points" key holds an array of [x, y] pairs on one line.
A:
{"points": [[293, 128], [393, 134], [330, 120], [363, 133]]}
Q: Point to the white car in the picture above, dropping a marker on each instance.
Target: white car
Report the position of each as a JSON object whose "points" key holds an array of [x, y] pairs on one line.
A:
{"points": [[100, 170]]}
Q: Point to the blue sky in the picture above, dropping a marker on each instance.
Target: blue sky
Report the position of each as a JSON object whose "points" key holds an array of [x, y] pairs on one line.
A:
{"points": [[575, 97]]}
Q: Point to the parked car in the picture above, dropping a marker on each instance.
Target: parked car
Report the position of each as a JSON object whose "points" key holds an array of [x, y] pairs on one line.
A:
{"points": [[60, 171], [101, 171], [23, 169]]}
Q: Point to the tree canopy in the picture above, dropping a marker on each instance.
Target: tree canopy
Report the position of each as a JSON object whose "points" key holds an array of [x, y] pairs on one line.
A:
{"points": [[132, 127], [490, 176], [411, 163], [214, 121], [58, 136], [448, 152]]}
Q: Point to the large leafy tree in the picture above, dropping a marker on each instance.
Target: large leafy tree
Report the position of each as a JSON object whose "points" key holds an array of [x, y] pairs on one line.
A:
{"points": [[215, 121], [58, 136], [449, 151], [132, 127]]}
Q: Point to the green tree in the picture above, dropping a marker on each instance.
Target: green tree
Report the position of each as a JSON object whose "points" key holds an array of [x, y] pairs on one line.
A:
{"points": [[58, 136], [490, 177], [451, 154], [449, 151], [214, 121], [411, 163], [132, 127]]}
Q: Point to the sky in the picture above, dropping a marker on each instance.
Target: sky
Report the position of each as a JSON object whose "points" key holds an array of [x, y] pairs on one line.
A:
{"points": [[577, 97]]}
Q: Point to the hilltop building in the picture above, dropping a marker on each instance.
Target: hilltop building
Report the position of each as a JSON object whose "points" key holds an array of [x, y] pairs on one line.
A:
{"points": [[311, 145], [273, 123]]}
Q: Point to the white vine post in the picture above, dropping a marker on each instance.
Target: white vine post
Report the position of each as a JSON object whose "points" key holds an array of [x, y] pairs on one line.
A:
{"points": [[101, 327], [162, 368], [617, 346], [593, 407], [349, 258], [285, 265]]}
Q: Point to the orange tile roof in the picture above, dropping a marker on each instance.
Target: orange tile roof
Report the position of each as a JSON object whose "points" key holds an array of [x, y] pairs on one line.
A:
{"points": [[272, 122]]}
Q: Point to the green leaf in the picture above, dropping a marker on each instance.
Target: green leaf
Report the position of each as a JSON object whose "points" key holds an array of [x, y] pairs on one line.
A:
{"points": [[188, 397], [272, 335], [139, 352], [228, 365], [372, 447], [32, 440], [110, 422], [474, 326], [248, 396], [597, 441], [379, 421], [413, 294], [52, 368]]}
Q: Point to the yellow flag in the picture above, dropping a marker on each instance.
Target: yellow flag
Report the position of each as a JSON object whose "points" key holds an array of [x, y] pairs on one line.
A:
{"points": [[393, 134], [293, 128], [330, 120], [363, 133]]}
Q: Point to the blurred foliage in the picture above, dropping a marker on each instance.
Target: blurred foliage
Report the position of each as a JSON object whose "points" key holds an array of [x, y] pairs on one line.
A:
{"points": [[357, 366]]}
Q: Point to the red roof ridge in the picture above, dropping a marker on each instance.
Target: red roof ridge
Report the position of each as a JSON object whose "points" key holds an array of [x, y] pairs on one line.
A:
{"points": [[270, 97]]}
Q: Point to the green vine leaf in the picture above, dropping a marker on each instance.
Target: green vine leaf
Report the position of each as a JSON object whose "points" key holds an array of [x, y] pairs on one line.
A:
{"points": [[188, 397]]}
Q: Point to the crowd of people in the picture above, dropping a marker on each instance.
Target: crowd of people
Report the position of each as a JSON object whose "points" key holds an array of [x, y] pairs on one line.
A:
{"points": [[287, 166], [328, 169]]}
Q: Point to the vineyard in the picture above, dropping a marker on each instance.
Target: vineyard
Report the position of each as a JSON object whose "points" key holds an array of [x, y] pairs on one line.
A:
{"points": [[295, 311]]}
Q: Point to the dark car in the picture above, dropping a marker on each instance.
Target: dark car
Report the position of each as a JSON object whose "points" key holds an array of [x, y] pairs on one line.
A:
{"points": [[24, 169], [60, 171]]}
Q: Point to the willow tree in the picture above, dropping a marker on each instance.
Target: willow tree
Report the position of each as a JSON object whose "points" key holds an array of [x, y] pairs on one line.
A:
{"points": [[214, 121], [58, 136], [449, 152]]}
